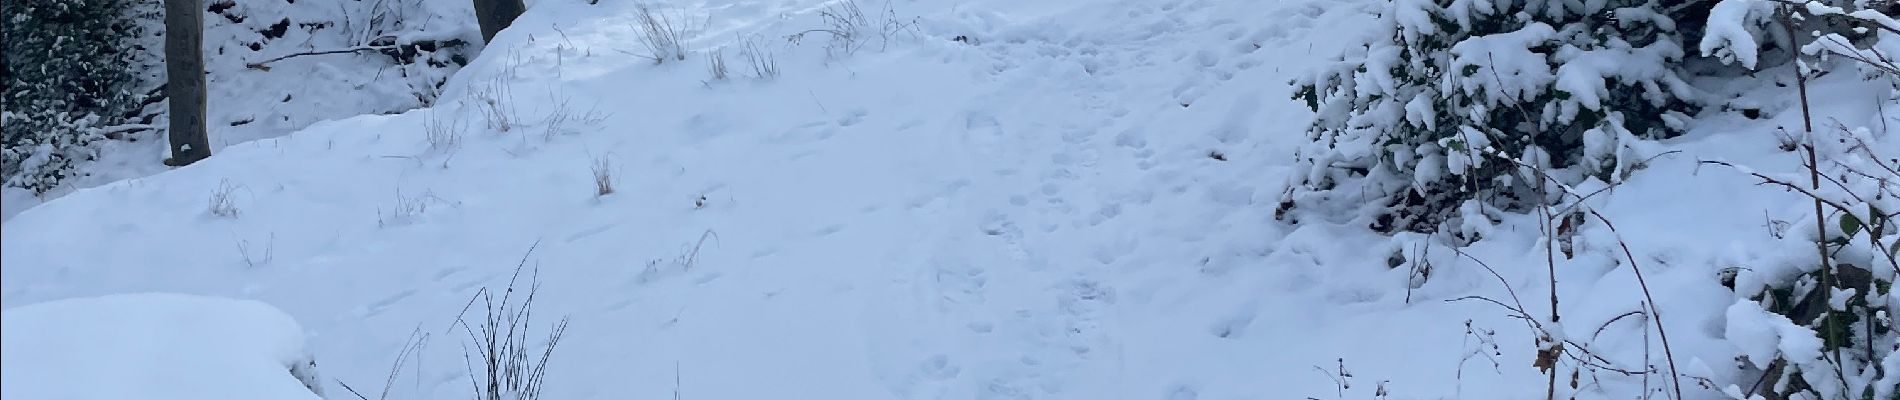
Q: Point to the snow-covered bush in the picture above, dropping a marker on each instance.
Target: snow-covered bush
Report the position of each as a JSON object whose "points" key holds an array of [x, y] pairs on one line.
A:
{"points": [[1819, 323], [1454, 102], [68, 73], [1823, 327]]}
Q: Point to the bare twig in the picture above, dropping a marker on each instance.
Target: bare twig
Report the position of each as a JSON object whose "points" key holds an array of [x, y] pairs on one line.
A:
{"points": [[1668, 353], [1820, 219]]}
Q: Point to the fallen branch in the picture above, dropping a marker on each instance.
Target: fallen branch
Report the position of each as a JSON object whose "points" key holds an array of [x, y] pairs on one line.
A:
{"points": [[260, 65]]}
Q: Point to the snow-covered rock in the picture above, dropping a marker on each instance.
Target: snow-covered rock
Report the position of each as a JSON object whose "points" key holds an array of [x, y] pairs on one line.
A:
{"points": [[156, 346]]}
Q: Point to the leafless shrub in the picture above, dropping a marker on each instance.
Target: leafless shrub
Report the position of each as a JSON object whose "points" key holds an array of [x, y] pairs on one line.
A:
{"points": [[603, 176], [510, 368], [764, 64], [444, 134], [1479, 342], [224, 200], [559, 119], [664, 36], [495, 99], [847, 28], [406, 209]]}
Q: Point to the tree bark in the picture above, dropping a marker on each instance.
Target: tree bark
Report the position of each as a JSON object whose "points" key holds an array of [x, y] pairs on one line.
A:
{"points": [[494, 15], [185, 81]]}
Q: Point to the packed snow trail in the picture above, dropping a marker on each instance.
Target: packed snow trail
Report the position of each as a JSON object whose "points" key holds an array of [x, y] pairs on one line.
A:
{"points": [[1008, 200]]}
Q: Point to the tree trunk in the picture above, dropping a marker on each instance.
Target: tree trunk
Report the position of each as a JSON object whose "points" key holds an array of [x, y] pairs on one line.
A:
{"points": [[494, 15], [185, 81]]}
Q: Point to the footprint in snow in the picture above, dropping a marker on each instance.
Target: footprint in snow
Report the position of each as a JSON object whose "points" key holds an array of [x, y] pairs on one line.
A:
{"points": [[939, 367], [983, 131], [1235, 324], [1207, 58], [806, 133], [706, 278], [980, 327], [619, 305], [1105, 213], [763, 253], [584, 233], [446, 272], [1183, 392], [852, 117]]}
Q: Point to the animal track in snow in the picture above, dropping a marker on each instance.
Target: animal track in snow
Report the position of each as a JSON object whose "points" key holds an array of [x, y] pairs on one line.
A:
{"points": [[385, 303]]}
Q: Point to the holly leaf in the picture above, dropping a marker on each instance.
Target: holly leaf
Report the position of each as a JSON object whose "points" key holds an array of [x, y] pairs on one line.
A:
{"points": [[1850, 225]]}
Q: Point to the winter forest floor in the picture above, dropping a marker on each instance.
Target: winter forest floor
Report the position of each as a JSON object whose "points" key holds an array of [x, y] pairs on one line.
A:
{"points": [[1003, 199]]}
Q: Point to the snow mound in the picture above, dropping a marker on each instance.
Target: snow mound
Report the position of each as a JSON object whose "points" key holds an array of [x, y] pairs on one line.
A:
{"points": [[153, 346]]}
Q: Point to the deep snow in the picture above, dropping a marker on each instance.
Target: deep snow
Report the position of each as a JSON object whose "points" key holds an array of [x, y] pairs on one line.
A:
{"points": [[1074, 202]]}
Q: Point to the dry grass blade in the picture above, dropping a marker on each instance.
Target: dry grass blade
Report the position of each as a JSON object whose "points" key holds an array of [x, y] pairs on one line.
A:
{"points": [[511, 367], [764, 64], [603, 176], [716, 64], [410, 349]]}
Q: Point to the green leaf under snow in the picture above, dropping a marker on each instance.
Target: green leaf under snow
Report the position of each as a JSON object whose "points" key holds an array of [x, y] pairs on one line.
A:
{"points": [[1850, 225]]}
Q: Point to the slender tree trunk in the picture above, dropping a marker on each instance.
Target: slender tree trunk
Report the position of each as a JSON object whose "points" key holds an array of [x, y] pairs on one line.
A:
{"points": [[185, 81], [494, 15]]}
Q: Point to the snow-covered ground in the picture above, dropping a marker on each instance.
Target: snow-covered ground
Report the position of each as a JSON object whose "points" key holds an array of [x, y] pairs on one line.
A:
{"points": [[1010, 199], [153, 346]]}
